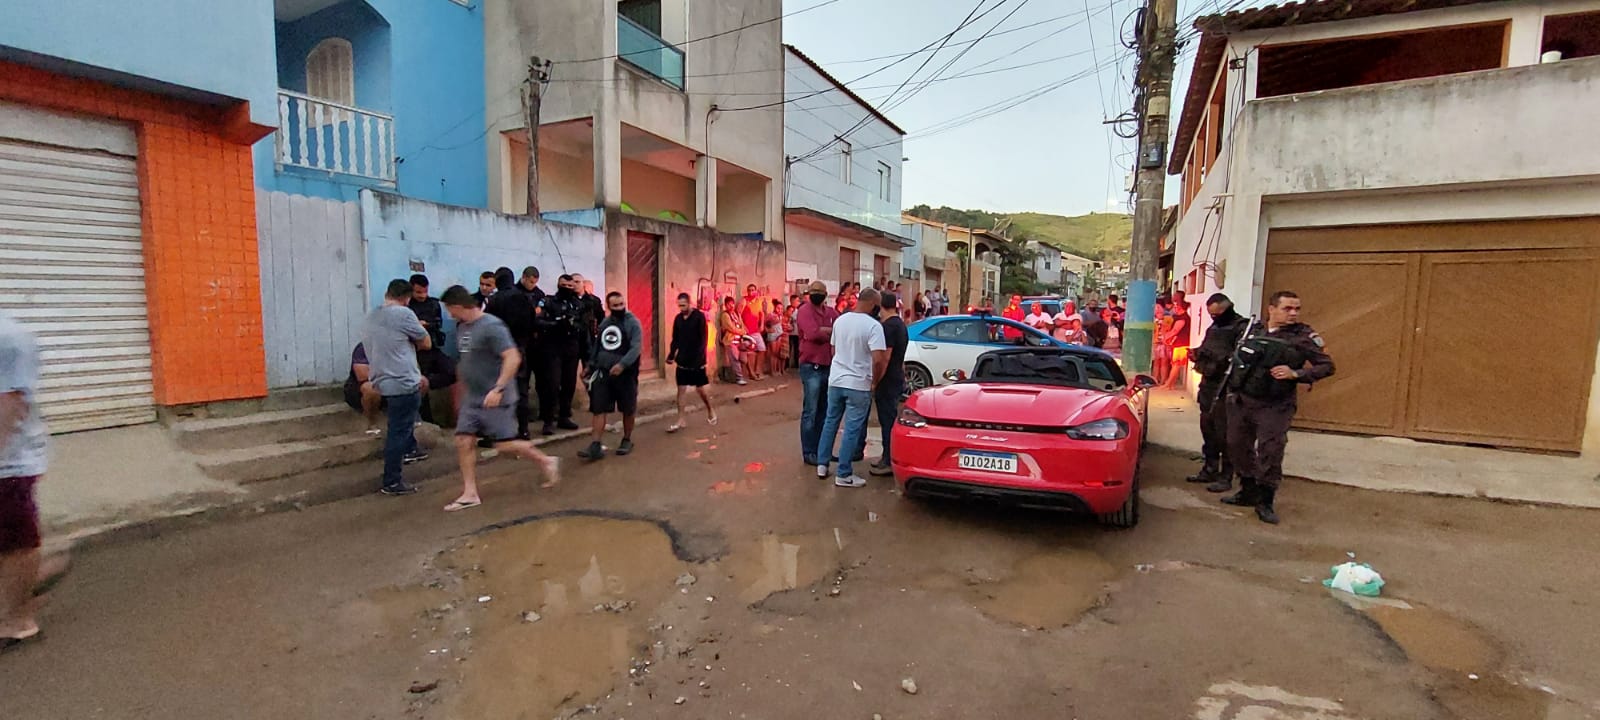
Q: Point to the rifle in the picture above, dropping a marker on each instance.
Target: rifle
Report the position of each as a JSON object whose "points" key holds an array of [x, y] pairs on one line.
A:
{"points": [[1222, 387]]}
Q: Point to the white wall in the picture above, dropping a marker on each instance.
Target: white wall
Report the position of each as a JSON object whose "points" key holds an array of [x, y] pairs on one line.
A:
{"points": [[455, 244], [812, 123]]}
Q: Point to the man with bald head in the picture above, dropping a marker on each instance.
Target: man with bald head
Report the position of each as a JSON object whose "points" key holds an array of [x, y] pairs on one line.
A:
{"points": [[860, 358]]}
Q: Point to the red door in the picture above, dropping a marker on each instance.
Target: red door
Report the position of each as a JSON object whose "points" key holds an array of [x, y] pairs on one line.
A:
{"points": [[643, 289]]}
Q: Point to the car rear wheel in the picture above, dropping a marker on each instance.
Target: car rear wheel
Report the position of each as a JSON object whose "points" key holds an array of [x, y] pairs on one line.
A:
{"points": [[1126, 516], [917, 378]]}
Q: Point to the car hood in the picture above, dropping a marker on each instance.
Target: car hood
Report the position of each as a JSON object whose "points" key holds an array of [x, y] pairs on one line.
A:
{"points": [[1015, 404]]}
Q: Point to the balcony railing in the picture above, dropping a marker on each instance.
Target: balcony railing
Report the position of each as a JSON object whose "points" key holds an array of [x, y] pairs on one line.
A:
{"points": [[321, 135], [647, 51]]}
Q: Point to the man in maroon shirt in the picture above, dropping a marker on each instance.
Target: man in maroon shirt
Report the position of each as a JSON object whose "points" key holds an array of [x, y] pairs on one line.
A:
{"points": [[814, 322]]}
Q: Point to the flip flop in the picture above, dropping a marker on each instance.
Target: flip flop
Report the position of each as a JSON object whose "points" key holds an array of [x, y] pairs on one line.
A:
{"points": [[459, 505], [552, 471], [712, 422], [676, 427], [9, 644]]}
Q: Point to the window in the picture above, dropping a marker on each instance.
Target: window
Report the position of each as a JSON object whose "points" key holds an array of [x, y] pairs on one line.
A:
{"points": [[845, 161], [883, 181], [1047, 263], [647, 13], [970, 331], [330, 71]]}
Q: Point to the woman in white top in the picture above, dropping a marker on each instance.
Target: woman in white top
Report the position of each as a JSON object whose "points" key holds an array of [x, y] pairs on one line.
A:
{"points": [[1068, 326]]}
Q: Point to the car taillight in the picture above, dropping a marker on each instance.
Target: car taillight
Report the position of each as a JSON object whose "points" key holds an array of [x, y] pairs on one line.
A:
{"points": [[1107, 429], [911, 418]]}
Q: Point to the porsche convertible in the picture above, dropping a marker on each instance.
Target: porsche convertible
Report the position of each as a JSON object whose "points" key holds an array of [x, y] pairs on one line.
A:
{"points": [[1040, 427]]}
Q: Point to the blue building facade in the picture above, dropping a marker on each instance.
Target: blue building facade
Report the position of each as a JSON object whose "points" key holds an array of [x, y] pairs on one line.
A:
{"points": [[383, 94]]}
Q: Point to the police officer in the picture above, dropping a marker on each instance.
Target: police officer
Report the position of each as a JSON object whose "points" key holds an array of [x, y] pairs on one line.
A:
{"points": [[511, 304], [1211, 361], [563, 325], [1263, 383]]}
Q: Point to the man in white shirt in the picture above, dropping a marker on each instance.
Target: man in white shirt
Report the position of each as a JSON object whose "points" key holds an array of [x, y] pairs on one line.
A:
{"points": [[860, 358], [1038, 319]]}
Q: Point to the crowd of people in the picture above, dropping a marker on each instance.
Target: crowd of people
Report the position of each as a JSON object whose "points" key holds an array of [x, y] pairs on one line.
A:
{"points": [[513, 343]]}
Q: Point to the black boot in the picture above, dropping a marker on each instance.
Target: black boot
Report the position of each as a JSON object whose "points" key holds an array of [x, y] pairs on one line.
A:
{"points": [[1264, 506], [1208, 473], [1249, 493], [1222, 483]]}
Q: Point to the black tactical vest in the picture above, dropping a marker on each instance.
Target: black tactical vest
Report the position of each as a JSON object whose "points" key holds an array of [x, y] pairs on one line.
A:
{"points": [[1252, 368]]}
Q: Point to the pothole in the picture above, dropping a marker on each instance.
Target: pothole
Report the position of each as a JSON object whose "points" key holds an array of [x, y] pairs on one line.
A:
{"points": [[1467, 661], [1044, 591], [776, 563]]}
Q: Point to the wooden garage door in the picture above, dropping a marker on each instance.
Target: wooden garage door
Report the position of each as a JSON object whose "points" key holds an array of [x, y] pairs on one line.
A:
{"points": [[1436, 339]]}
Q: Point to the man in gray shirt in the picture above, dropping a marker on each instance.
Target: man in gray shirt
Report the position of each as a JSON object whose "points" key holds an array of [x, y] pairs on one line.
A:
{"points": [[22, 462], [392, 336], [614, 375], [488, 368]]}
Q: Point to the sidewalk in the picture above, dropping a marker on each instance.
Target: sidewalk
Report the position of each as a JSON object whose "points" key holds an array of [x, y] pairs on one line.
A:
{"points": [[1401, 465], [132, 481]]}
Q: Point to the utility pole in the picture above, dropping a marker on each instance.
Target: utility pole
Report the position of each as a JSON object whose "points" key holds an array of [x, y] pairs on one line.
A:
{"points": [[532, 100], [1157, 55]]}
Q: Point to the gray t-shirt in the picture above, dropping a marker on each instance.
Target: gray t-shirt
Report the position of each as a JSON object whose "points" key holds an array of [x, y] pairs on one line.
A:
{"points": [[387, 338], [23, 455], [481, 343]]}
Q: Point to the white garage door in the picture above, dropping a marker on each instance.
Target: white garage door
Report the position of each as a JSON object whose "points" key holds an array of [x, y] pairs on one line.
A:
{"points": [[71, 264]]}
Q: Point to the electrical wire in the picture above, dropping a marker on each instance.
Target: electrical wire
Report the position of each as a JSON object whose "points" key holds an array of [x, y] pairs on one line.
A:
{"points": [[691, 41]]}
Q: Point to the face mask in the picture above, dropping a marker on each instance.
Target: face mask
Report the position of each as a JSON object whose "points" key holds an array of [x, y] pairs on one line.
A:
{"points": [[619, 314], [817, 298]]}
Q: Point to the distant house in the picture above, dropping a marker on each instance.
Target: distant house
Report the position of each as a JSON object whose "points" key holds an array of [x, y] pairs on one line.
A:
{"points": [[842, 201], [1046, 263], [1413, 171]]}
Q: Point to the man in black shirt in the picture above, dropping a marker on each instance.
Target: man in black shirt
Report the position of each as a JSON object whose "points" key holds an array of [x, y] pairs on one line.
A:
{"points": [[563, 334], [485, 288], [512, 306], [886, 395], [428, 309], [689, 352]]}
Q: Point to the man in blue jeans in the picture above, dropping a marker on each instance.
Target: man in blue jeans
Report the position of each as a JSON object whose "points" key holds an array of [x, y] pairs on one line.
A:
{"points": [[860, 357], [392, 336], [814, 326]]}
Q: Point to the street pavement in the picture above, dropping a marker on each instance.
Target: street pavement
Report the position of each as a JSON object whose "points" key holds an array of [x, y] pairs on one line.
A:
{"points": [[711, 575]]}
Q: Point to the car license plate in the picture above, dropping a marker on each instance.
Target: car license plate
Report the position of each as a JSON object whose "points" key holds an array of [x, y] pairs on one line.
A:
{"points": [[987, 461]]}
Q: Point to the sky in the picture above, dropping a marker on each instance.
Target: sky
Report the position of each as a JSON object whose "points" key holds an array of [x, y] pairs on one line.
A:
{"points": [[1051, 153]]}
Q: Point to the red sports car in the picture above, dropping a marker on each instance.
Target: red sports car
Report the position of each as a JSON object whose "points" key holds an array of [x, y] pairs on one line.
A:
{"points": [[1055, 428]]}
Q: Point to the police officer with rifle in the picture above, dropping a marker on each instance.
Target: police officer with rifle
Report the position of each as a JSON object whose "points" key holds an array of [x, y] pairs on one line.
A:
{"points": [[1263, 384], [1212, 360]]}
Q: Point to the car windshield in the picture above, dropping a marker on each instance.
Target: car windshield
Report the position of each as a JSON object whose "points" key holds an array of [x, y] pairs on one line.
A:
{"points": [[1050, 368]]}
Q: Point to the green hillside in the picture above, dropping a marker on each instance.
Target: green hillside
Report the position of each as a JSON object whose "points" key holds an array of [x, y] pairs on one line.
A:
{"points": [[1099, 236]]}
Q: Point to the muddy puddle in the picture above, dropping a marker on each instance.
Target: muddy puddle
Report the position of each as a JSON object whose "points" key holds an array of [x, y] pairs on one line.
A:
{"points": [[775, 563], [1468, 663], [1045, 591]]}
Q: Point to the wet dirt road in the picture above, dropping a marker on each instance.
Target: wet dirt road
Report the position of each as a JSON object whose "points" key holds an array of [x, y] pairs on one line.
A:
{"points": [[710, 575]]}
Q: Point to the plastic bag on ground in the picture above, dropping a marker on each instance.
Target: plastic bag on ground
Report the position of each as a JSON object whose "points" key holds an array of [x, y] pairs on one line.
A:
{"points": [[1355, 578]]}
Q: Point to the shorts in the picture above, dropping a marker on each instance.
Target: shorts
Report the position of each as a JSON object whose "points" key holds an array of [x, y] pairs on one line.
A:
{"points": [[692, 377], [616, 393], [760, 345], [1180, 354], [19, 515], [496, 423]]}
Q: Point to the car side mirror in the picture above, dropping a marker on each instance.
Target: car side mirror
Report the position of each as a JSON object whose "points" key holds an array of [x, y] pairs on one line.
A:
{"points": [[959, 375], [1144, 382]]}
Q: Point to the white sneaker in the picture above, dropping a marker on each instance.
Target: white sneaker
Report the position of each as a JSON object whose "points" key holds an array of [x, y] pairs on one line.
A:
{"points": [[822, 471], [852, 481]]}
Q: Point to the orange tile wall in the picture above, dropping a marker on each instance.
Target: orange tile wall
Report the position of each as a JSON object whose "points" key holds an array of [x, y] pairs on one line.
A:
{"points": [[197, 193]]}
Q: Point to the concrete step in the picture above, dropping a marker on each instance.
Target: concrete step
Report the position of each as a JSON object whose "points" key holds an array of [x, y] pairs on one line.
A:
{"points": [[267, 428], [266, 462]]}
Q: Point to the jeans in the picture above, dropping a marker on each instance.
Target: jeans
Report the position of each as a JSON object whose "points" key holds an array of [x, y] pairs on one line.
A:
{"points": [[887, 399], [400, 440], [814, 392], [850, 407]]}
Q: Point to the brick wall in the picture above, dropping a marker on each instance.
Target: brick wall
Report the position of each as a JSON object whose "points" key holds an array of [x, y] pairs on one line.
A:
{"points": [[202, 276]]}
